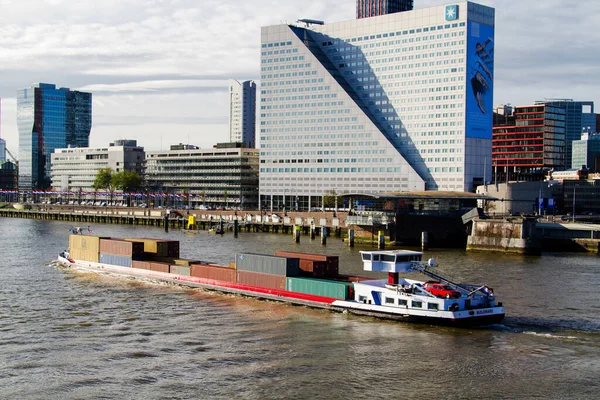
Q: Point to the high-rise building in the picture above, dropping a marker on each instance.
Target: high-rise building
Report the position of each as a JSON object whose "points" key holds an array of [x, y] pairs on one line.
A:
{"points": [[587, 152], [374, 8], [49, 118], [242, 112], [530, 144], [576, 121], [386, 104], [75, 168]]}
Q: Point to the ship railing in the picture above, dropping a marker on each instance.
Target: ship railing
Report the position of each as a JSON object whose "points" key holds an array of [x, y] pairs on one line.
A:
{"points": [[426, 269]]}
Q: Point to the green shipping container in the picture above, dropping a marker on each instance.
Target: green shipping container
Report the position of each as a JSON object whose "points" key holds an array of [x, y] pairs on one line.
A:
{"points": [[319, 287]]}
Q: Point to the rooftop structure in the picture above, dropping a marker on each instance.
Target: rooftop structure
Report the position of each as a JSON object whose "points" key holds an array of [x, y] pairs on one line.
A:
{"points": [[373, 8]]}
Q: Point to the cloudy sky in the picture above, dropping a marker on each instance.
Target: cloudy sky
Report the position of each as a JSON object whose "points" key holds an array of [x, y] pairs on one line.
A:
{"points": [[158, 69]]}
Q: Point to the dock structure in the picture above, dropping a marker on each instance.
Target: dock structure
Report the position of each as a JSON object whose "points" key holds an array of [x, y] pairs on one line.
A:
{"points": [[180, 219]]}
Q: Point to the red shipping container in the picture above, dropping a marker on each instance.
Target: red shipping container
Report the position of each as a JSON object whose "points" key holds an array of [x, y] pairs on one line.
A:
{"points": [[140, 264], [160, 267], [120, 247], [261, 280], [313, 268], [333, 262], [215, 272]]}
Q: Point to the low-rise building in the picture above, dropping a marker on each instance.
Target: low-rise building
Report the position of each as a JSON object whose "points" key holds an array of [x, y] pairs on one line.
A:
{"points": [[8, 176], [212, 178], [75, 169]]}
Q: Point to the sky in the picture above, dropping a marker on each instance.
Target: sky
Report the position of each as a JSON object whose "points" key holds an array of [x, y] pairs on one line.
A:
{"points": [[159, 69]]}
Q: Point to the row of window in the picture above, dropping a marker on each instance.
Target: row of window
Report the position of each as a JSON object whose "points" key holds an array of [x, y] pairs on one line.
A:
{"points": [[394, 34]]}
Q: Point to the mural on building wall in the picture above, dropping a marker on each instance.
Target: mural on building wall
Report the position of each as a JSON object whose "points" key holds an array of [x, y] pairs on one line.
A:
{"points": [[480, 80]]}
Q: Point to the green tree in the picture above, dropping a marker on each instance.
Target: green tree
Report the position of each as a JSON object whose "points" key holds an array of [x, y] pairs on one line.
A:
{"points": [[127, 181], [329, 199], [103, 181]]}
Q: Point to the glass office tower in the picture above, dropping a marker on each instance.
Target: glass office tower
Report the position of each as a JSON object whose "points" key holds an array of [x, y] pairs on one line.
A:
{"points": [[373, 8], [394, 103], [578, 118], [49, 118]]}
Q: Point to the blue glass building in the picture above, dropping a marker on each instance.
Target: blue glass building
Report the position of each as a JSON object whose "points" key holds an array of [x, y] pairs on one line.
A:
{"points": [[578, 117], [49, 118]]}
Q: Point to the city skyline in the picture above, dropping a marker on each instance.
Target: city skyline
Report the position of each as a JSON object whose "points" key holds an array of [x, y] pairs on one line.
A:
{"points": [[161, 75]]}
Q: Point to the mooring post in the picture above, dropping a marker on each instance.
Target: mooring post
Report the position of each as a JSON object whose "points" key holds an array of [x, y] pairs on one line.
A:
{"points": [[424, 241], [381, 240], [323, 235], [297, 232], [351, 237]]}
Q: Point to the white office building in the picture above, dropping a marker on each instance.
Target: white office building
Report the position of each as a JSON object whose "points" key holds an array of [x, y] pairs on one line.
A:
{"points": [[242, 112], [393, 103], [75, 169]]}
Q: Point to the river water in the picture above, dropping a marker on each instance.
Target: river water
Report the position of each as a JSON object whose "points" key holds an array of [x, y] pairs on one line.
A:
{"points": [[80, 336]]}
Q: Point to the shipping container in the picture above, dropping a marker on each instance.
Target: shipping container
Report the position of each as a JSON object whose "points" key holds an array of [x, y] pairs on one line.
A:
{"points": [[121, 247], [266, 264], [186, 263], [311, 268], [332, 268], [320, 287], [112, 259], [261, 280], [159, 247], [216, 272], [84, 248], [160, 267], [140, 264], [180, 270]]}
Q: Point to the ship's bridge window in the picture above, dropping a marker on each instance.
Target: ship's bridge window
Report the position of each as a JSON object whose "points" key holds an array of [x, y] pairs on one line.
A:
{"points": [[362, 299], [417, 304], [366, 257], [402, 302], [389, 300], [433, 306], [375, 257], [388, 257]]}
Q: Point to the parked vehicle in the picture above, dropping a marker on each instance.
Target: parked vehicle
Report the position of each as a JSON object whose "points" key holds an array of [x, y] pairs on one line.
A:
{"points": [[440, 290]]}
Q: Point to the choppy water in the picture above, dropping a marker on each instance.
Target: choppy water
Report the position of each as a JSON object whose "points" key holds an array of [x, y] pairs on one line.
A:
{"points": [[82, 336]]}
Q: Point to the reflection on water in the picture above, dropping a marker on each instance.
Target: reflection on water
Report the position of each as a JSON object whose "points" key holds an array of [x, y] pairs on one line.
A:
{"points": [[75, 335]]}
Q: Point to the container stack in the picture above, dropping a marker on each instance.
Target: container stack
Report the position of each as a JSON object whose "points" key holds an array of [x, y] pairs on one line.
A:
{"points": [[84, 248], [265, 271], [120, 252], [314, 265], [158, 247]]}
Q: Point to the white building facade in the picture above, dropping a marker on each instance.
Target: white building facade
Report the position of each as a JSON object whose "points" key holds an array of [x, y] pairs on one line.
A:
{"points": [[242, 112], [75, 169], [394, 103]]}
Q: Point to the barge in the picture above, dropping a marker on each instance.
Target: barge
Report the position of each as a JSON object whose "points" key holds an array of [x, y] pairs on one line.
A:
{"points": [[311, 280]]}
